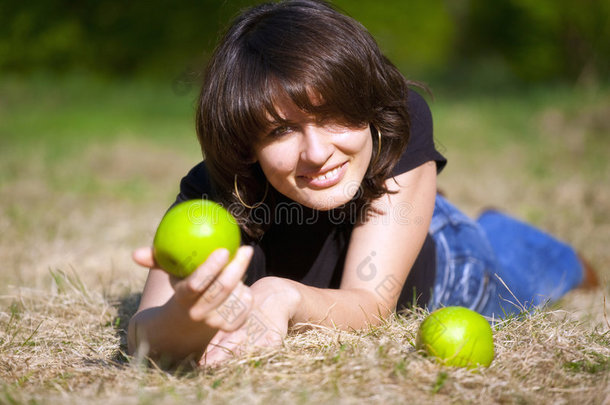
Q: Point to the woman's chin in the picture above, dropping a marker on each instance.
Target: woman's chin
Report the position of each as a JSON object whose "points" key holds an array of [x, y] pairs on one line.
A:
{"points": [[326, 203], [325, 199]]}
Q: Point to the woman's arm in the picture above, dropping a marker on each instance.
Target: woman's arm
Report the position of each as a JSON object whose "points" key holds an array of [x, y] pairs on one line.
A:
{"points": [[178, 318], [380, 255]]}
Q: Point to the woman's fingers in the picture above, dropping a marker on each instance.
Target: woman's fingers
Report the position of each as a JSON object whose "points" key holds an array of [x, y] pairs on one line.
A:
{"points": [[230, 299], [220, 351], [233, 312], [191, 288], [144, 257], [218, 280], [214, 284], [234, 271]]}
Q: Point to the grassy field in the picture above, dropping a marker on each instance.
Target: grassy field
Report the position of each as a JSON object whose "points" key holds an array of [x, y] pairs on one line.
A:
{"points": [[88, 166]]}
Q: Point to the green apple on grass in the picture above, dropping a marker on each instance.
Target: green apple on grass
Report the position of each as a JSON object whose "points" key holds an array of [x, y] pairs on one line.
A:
{"points": [[457, 336], [189, 232]]}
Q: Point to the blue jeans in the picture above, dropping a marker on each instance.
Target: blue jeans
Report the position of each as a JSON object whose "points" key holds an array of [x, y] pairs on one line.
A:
{"points": [[497, 265]]}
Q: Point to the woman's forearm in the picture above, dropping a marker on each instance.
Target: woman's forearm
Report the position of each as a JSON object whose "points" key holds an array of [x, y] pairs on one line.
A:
{"points": [[166, 334], [341, 308]]}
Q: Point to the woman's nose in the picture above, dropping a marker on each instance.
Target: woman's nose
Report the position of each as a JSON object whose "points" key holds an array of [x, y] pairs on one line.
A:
{"points": [[316, 146]]}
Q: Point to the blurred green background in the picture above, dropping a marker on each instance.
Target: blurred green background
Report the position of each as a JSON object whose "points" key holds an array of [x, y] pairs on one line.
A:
{"points": [[520, 39], [442, 40]]}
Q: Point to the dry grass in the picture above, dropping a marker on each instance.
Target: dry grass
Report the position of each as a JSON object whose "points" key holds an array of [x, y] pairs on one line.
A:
{"points": [[68, 288], [65, 347]]}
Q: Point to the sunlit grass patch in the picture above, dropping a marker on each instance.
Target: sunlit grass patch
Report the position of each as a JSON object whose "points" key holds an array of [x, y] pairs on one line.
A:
{"points": [[66, 345]]}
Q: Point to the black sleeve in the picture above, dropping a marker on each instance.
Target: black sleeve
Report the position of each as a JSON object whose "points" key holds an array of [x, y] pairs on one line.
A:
{"points": [[196, 184], [420, 148]]}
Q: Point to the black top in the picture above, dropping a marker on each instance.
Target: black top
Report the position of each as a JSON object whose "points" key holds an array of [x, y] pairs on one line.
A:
{"points": [[310, 246]]}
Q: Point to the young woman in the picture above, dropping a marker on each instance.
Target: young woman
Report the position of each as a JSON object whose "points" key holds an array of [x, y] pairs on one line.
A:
{"points": [[323, 153]]}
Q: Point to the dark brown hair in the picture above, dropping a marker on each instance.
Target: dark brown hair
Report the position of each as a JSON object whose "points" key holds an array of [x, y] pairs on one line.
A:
{"points": [[293, 48]]}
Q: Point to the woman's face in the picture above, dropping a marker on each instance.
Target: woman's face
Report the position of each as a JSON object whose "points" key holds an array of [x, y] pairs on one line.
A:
{"points": [[319, 165]]}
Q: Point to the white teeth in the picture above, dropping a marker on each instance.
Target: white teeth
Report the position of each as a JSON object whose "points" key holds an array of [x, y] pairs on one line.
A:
{"points": [[327, 175]]}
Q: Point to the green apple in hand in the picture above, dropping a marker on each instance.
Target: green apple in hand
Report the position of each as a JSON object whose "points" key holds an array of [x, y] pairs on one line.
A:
{"points": [[189, 232], [457, 336]]}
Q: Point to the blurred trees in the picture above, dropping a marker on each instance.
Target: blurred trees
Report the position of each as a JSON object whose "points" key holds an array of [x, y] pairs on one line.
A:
{"points": [[116, 37], [530, 40], [540, 39]]}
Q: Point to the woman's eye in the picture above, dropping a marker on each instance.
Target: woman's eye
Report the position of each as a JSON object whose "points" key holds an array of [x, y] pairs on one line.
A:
{"points": [[279, 131]]}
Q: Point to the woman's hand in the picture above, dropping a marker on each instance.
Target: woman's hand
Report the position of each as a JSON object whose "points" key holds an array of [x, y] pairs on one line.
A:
{"points": [[144, 257], [213, 293], [275, 301], [179, 316]]}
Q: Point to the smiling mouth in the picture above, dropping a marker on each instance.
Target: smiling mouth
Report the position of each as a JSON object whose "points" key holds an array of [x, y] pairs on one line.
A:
{"points": [[327, 175], [326, 179]]}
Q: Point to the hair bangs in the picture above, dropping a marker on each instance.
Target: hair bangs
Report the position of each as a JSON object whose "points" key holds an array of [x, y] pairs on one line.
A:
{"points": [[253, 100], [288, 56], [261, 91], [315, 91]]}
